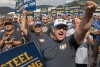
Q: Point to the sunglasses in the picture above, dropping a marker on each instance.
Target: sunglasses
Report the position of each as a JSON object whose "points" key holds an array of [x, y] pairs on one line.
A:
{"points": [[8, 24], [61, 27], [45, 19]]}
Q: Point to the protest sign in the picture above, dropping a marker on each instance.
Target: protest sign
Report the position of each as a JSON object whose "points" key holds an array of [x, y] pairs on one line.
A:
{"points": [[29, 5], [44, 10], [26, 55], [66, 10]]}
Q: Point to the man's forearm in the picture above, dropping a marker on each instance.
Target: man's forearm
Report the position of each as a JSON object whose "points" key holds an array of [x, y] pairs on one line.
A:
{"points": [[86, 22], [98, 31], [23, 26], [23, 23], [17, 43], [1, 43]]}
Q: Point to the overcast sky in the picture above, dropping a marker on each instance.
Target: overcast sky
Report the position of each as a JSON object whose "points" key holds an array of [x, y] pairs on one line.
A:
{"points": [[11, 3]]}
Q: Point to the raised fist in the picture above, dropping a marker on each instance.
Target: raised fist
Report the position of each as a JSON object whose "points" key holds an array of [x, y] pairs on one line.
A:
{"points": [[90, 6], [24, 12]]}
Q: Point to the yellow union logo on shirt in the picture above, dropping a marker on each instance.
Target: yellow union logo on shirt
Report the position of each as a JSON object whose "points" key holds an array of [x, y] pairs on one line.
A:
{"points": [[62, 47], [41, 40]]}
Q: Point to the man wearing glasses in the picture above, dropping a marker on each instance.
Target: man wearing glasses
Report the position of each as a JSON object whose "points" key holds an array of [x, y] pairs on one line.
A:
{"points": [[59, 51], [46, 27]]}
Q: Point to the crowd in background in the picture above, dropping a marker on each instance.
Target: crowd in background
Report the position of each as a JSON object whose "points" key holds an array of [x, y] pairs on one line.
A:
{"points": [[15, 31]]}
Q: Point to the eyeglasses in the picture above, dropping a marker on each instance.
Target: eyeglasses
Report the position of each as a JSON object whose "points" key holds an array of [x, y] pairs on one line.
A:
{"points": [[8, 24], [45, 19], [61, 27]]}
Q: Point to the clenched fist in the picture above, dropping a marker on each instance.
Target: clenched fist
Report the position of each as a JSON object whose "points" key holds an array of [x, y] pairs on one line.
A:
{"points": [[24, 12], [90, 7]]}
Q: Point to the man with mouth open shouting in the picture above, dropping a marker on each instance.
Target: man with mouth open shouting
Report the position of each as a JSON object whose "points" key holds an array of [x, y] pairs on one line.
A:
{"points": [[59, 51]]}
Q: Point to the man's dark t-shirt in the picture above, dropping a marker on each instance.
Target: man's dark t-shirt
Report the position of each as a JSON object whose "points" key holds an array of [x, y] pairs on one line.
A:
{"points": [[17, 37], [2, 31], [43, 37], [46, 29], [31, 37], [59, 54]]}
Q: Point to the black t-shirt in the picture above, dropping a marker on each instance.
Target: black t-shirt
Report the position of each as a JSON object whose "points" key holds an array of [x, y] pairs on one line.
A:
{"points": [[17, 37], [31, 37], [16, 25], [43, 37], [46, 29], [2, 31], [59, 54]]}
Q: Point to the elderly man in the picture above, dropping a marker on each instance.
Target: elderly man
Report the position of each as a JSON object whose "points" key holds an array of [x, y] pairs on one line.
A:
{"points": [[59, 51], [38, 32]]}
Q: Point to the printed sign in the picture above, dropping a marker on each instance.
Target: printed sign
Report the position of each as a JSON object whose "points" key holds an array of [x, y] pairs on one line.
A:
{"points": [[26, 55], [66, 10], [44, 10], [17, 7], [53, 12], [76, 11], [28, 5]]}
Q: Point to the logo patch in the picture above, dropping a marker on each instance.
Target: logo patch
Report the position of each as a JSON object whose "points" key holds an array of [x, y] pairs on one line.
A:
{"points": [[44, 29], [62, 47], [41, 40]]}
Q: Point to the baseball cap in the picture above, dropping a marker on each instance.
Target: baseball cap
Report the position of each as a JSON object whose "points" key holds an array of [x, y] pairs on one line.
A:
{"points": [[8, 23], [15, 16], [37, 23], [60, 22]]}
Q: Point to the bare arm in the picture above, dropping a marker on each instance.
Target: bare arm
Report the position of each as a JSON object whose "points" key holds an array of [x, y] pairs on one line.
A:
{"points": [[19, 20], [96, 31], [89, 38], [23, 24], [17, 43], [86, 22], [2, 41]]}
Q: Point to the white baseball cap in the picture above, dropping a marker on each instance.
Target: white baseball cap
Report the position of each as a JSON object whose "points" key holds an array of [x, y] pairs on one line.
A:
{"points": [[60, 22]]}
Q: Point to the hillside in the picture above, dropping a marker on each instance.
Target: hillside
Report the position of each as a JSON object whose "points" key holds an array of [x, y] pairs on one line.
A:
{"points": [[5, 10]]}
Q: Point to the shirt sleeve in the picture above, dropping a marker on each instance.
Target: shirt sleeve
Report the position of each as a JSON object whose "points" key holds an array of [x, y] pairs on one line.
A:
{"points": [[73, 42], [32, 38]]}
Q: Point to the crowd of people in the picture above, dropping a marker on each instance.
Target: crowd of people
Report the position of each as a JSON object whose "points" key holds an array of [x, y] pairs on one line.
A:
{"points": [[62, 40]]}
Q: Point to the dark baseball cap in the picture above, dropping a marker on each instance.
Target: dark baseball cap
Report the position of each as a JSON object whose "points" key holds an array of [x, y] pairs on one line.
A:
{"points": [[37, 23], [8, 23]]}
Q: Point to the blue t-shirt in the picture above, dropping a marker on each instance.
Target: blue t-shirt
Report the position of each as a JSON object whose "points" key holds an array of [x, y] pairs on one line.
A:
{"points": [[97, 27], [92, 34]]}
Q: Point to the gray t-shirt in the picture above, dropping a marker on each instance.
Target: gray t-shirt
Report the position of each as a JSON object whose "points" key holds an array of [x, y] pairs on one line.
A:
{"points": [[60, 54], [17, 37], [46, 29], [31, 37], [2, 31], [43, 37]]}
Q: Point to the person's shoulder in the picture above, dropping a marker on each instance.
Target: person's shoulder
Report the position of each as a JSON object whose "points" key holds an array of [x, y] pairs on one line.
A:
{"points": [[68, 38], [16, 31], [47, 42], [49, 24], [45, 35]]}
